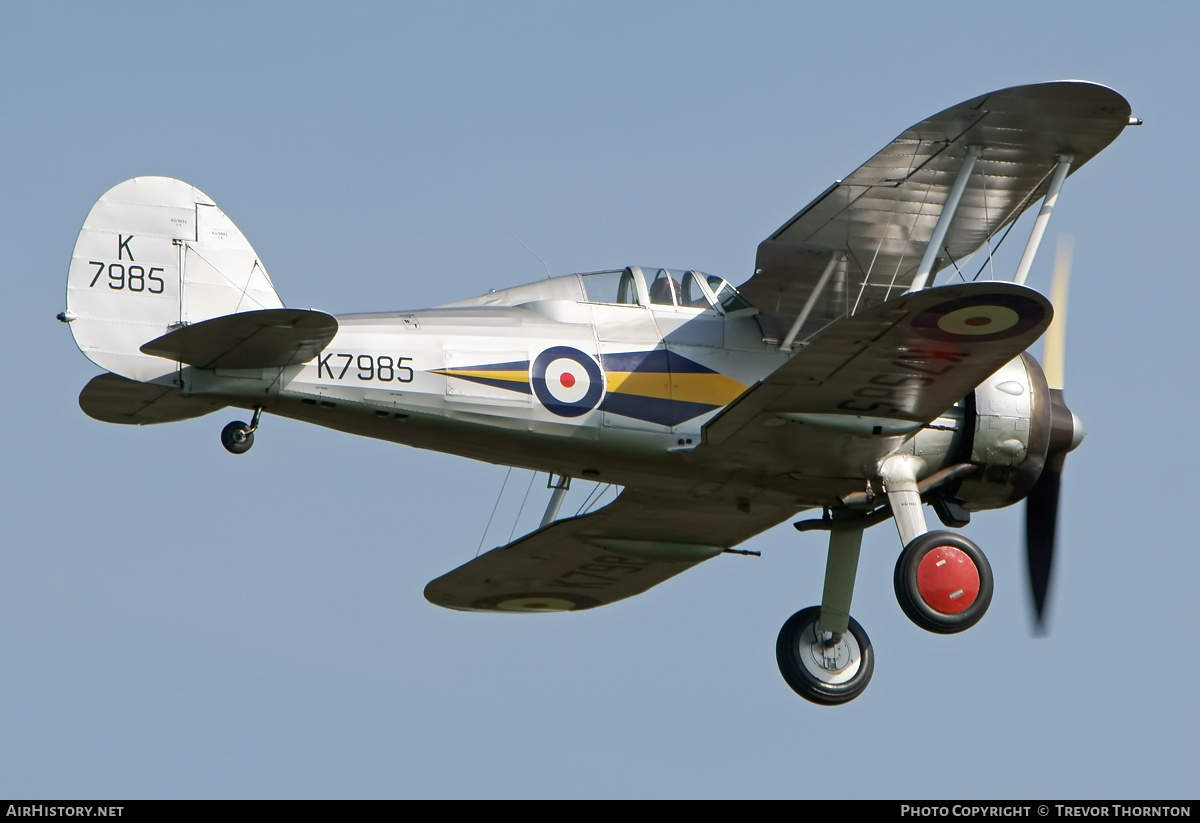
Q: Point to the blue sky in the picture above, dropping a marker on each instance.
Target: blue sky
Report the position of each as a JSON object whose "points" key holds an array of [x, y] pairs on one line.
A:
{"points": [[177, 622]]}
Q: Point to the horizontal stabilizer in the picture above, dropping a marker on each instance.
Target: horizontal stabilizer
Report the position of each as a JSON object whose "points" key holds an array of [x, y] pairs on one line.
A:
{"points": [[113, 399], [270, 338]]}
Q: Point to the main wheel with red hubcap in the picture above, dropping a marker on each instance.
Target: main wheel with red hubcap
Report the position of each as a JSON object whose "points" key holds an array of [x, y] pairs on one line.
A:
{"points": [[943, 582]]}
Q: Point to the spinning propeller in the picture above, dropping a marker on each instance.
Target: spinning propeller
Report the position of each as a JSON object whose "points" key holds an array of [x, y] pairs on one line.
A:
{"points": [[1066, 432]]}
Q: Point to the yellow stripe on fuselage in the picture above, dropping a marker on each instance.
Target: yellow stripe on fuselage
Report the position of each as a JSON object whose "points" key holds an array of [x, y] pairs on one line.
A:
{"points": [[711, 389], [642, 384]]}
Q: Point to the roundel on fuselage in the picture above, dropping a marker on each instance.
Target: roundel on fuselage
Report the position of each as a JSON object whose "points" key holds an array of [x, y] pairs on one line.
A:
{"points": [[566, 381]]}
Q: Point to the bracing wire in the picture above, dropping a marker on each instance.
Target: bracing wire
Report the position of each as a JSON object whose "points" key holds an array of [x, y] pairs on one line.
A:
{"points": [[991, 253], [954, 263], [600, 496], [588, 500], [483, 536], [912, 229], [521, 510], [1011, 225]]}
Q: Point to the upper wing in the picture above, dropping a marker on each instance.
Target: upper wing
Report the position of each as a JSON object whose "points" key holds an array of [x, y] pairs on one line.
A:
{"points": [[881, 217], [634, 543]]}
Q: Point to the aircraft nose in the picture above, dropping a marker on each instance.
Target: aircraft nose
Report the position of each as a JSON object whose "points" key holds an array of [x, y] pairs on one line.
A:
{"points": [[1078, 433]]}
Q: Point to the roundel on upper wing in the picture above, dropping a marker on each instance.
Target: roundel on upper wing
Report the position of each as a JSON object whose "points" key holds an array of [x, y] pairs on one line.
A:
{"points": [[568, 382], [996, 317]]}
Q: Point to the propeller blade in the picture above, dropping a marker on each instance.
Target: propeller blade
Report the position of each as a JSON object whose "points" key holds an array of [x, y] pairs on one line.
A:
{"points": [[1041, 526], [1066, 432], [1054, 351]]}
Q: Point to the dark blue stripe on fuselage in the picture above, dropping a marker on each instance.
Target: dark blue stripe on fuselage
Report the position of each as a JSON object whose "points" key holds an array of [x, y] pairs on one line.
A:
{"points": [[657, 360]]}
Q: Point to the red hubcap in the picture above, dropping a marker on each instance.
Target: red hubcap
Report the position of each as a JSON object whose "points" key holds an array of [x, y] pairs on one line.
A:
{"points": [[947, 580]]}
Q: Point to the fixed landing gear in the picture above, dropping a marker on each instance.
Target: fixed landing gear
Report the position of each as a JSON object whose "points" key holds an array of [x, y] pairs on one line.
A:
{"points": [[820, 666], [237, 437], [823, 654], [943, 582]]}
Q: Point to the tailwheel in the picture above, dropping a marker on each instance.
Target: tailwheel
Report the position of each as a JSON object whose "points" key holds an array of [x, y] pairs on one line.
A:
{"points": [[822, 667], [943, 582], [238, 437]]}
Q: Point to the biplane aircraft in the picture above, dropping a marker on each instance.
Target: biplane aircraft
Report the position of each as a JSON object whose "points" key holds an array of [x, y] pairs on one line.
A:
{"points": [[839, 377]]}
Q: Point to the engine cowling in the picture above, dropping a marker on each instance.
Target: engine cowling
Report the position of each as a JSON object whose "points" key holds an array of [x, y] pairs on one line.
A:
{"points": [[1007, 427]]}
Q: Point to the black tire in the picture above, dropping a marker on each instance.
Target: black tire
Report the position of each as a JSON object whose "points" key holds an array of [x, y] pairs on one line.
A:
{"points": [[799, 654], [237, 437], [942, 616]]}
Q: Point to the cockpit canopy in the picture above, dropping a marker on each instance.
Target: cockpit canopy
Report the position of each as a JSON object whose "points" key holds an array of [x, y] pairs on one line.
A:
{"points": [[662, 288], [675, 289]]}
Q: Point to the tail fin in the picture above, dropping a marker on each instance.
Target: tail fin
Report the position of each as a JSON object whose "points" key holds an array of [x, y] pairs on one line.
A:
{"points": [[156, 254]]}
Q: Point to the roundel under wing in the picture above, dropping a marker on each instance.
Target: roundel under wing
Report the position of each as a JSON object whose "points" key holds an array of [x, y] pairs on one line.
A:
{"points": [[566, 381]]}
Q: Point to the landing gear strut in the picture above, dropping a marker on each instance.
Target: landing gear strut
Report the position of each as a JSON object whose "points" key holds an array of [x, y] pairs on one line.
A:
{"points": [[943, 581], [237, 437], [823, 654]]}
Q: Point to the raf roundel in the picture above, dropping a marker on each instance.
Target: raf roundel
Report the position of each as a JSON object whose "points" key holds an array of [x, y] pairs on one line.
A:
{"points": [[1002, 316], [534, 602], [568, 382]]}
